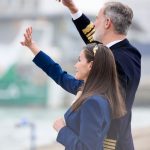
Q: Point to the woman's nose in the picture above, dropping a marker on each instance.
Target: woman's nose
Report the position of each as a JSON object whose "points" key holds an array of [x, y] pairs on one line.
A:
{"points": [[75, 65]]}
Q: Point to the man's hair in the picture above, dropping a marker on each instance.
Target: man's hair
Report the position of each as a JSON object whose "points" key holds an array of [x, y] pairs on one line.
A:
{"points": [[121, 16]]}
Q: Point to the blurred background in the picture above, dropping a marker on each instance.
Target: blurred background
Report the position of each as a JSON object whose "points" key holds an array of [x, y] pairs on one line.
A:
{"points": [[29, 100]]}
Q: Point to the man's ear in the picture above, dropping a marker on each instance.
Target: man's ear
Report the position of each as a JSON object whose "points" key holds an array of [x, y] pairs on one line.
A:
{"points": [[107, 23]]}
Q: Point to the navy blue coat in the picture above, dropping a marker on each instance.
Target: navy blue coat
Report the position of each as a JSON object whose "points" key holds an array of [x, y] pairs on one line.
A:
{"points": [[128, 63], [87, 127]]}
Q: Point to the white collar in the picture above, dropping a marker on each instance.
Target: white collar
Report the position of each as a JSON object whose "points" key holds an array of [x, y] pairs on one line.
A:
{"points": [[112, 43]]}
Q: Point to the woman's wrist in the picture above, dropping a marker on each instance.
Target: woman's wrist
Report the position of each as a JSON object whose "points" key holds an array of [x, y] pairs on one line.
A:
{"points": [[34, 48]]}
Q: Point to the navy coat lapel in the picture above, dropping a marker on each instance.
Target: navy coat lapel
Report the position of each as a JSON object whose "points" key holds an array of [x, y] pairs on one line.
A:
{"points": [[68, 113]]}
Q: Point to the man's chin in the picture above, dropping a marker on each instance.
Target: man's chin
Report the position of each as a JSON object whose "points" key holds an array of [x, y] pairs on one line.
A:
{"points": [[96, 38]]}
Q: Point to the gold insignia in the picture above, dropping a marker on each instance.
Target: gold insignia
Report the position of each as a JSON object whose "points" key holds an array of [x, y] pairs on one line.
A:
{"points": [[91, 33], [88, 28], [109, 144]]}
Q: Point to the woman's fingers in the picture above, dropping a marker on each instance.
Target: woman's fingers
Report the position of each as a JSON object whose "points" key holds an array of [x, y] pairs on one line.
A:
{"points": [[29, 32], [27, 37], [30, 29]]}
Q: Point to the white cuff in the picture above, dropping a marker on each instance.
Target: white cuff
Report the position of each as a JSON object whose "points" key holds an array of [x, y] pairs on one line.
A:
{"points": [[76, 15]]}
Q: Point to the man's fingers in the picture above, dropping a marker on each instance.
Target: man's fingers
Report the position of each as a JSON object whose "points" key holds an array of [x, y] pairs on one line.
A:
{"points": [[22, 43], [58, 0]]}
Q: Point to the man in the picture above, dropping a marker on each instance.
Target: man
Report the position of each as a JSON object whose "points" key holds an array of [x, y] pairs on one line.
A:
{"points": [[110, 28]]}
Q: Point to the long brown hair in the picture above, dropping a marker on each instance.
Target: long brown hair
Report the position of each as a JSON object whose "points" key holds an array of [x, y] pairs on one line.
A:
{"points": [[102, 79]]}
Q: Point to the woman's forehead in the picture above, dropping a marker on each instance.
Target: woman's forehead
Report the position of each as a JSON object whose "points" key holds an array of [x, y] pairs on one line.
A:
{"points": [[82, 53]]}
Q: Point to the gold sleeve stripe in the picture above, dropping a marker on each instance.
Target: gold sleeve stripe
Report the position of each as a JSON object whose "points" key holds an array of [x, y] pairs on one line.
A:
{"points": [[90, 37], [91, 33], [110, 147], [108, 143], [110, 140], [88, 28], [91, 40]]}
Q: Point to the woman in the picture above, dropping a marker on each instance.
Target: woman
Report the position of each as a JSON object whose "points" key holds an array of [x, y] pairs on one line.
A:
{"points": [[98, 96]]}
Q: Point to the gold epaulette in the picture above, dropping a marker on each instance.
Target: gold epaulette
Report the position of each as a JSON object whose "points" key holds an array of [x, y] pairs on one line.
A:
{"points": [[109, 144]]}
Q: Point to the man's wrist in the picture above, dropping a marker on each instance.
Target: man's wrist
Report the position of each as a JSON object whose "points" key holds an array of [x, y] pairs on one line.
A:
{"points": [[73, 9], [76, 15]]}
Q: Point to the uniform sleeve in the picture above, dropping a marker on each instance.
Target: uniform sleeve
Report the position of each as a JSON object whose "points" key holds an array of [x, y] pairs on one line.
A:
{"points": [[91, 126], [53, 70], [85, 28]]}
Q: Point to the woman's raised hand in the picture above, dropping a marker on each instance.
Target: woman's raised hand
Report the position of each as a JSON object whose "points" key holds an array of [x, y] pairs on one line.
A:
{"points": [[28, 41], [27, 37]]}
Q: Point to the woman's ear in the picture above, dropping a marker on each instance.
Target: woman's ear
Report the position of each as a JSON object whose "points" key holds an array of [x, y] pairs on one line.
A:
{"points": [[90, 65]]}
